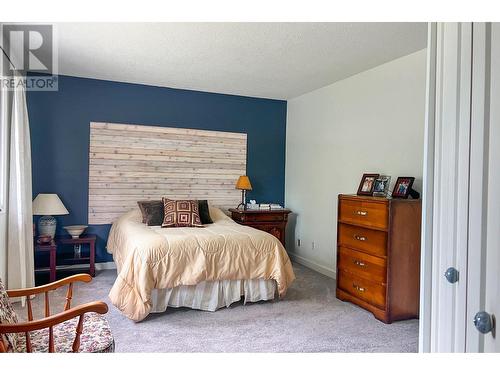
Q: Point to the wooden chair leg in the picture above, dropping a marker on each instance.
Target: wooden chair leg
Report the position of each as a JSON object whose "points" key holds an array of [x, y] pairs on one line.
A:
{"points": [[28, 342], [51, 340]]}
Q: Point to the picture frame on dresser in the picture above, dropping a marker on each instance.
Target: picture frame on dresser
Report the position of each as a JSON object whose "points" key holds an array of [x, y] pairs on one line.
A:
{"points": [[367, 184], [381, 186], [403, 187]]}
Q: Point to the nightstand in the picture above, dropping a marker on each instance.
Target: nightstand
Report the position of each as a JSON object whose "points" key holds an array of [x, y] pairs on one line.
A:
{"points": [[270, 221], [51, 248], [84, 239], [64, 261]]}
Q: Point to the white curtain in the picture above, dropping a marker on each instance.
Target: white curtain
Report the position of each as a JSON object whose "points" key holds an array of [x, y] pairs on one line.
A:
{"points": [[4, 148], [20, 262]]}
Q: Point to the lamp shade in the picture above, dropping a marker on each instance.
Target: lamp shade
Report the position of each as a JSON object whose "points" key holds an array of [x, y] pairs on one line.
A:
{"points": [[48, 204], [243, 183]]}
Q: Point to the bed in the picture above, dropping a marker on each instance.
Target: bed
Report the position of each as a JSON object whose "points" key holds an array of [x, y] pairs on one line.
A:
{"points": [[202, 268]]}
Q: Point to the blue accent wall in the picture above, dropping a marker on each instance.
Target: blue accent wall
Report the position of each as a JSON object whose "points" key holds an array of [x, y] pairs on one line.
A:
{"points": [[60, 121]]}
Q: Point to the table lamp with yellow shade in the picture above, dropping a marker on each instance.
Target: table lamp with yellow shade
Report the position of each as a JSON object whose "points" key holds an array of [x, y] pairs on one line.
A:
{"points": [[48, 205], [243, 184]]}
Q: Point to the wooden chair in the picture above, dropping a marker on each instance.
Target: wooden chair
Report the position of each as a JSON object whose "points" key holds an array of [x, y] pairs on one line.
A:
{"points": [[79, 329]]}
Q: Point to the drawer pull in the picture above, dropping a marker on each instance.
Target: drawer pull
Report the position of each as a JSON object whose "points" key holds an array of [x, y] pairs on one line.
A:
{"points": [[358, 288], [361, 213], [359, 263], [359, 238]]}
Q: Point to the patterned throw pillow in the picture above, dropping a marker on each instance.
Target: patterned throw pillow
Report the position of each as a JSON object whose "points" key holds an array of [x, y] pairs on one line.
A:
{"points": [[181, 213], [7, 315]]}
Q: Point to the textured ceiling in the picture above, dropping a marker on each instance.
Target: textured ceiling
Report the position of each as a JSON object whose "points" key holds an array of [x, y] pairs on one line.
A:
{"points": [[271, 60]]}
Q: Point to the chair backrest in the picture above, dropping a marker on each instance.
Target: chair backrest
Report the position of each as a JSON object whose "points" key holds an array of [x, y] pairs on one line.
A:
{"points": [[7, 315]]}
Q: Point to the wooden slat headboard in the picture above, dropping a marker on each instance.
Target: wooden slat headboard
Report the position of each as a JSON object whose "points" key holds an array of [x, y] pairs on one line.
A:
{"points": [[128, 163]]}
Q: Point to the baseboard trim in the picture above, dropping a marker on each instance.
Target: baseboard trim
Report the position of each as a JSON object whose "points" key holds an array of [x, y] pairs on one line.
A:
{"points": [[313, 265], [294, 257], [105, 266], [98, 266]]}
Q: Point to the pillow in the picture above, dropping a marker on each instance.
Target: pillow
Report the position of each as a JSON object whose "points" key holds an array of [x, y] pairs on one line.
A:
{"points": [[152, 212], [217, 214], [204, 212], [181, 213]]}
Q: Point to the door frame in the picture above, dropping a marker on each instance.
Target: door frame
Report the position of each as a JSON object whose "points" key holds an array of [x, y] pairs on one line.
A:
{"points": [[424, 337], [446, 182]]}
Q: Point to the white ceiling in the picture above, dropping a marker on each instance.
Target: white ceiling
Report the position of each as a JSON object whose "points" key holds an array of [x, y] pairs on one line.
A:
{"points": [[271, 60]]}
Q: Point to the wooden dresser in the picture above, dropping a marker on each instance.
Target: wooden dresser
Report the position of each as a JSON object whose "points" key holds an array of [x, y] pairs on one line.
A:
{"points": [[378, 255], [271, 221]]}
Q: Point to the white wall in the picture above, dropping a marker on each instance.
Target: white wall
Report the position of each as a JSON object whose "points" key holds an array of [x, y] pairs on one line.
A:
{"points": [[372, 122]]}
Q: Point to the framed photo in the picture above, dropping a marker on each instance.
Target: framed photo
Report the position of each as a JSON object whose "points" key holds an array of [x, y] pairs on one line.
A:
{"points": [[402, 187], [381, 186], [367, 184]]}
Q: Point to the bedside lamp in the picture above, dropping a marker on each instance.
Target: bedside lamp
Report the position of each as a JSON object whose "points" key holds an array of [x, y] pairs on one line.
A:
{"points": [[48, 205], [243, 184]]}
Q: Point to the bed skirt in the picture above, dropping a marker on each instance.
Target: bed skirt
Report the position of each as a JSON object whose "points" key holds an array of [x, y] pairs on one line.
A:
{"points": [[212, 295]]}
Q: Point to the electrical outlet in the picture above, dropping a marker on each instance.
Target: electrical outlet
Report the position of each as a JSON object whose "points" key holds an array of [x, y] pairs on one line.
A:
{"points": [[298, 242]]}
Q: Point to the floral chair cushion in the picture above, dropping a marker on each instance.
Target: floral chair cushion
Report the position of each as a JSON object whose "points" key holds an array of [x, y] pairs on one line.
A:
{"points": [[96, 337], [8, 315]]}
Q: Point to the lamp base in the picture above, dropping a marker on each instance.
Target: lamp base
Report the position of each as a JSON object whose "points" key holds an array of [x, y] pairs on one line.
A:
{"points": [[47, 226], [243, 200]]}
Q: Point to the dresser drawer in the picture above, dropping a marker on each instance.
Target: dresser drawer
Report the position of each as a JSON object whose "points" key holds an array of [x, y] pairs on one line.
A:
{"points": [[277, 230], [368, 291], [266, 216], [369, 240], [372, 214], [363, 265]]}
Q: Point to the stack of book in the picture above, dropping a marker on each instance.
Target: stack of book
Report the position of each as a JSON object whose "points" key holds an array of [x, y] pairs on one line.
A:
{"points": [[269, 206]]}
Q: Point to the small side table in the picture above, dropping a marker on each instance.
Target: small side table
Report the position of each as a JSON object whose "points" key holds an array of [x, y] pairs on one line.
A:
{"points": [[52, 249], [270, 221], [83, 239]]}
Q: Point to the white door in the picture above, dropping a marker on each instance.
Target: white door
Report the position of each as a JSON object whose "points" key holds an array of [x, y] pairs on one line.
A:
{"points": [[463, 181], [484, 221]]}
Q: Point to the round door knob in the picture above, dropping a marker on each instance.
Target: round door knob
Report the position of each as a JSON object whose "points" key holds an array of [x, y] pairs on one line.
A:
{"points": [[451, 275], [483, 322]]}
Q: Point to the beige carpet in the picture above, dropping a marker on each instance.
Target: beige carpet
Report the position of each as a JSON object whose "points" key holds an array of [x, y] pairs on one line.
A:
{"points": [[309, 319]]}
